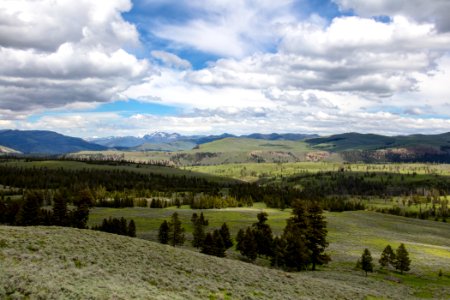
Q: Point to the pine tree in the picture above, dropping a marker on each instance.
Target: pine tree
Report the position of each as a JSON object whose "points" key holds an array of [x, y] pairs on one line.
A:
{"points": [[208, 245], [240, 239], [263, 235], [316, 235], [163, 234], [226, 237], [219, 245], [296, 254], [387, 257], [366, 261], [81, 215], [203, 220], [131, 229], [276, 260], [30, 210], [402, 262], [249, 248], [176, 232], [60, 215], [199, 231]]}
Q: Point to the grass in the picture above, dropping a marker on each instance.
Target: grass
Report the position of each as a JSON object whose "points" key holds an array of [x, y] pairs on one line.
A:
{"points": [[246, 145], [428, 242], [255, 171], [45, 263]]}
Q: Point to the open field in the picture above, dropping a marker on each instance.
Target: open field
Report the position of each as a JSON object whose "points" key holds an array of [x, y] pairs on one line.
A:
{"points": [[349, 233], [255, 171]]}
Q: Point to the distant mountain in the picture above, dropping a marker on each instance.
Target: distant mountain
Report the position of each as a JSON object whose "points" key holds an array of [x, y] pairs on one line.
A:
{"points": [[49, 142], [278, 136], [166, 147], [120, 141], [162, 138]]}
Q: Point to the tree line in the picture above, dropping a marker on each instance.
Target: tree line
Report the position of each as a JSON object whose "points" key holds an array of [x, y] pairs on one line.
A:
{"points": [[399, 260]]}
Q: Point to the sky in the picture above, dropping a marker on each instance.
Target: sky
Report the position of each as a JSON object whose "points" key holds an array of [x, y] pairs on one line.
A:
{"points": [[121, 67]]}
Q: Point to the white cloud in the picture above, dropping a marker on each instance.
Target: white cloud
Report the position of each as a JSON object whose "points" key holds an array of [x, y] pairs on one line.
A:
{"points": [[434, 11], [53, 53], [171, 60], [228, 28]]}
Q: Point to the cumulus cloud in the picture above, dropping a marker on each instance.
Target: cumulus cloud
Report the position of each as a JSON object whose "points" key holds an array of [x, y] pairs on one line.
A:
{"points": [[435, 11], [53, 53]]}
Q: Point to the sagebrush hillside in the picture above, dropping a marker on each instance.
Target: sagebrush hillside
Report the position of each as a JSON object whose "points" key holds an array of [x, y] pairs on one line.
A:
{"points": [[55, 263]]}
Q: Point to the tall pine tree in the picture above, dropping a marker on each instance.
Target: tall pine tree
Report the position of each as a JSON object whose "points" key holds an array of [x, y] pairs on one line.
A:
{"points": [[387, 257], [402, 261], [163, 234], [366, 261], [316, 235], [263, 235], [226, 237], [176, 232]]}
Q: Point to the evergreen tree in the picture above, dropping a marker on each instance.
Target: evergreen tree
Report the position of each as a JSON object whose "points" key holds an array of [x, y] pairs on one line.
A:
{"points": [[163, 234], [203, 220], [219, 245], [263, 235], [176, 232], [199, 231], [131, 229], [296, 254], [30, 210], [208, 245], [248, 247], [402, 259], [226, 237], [366, 261], [81, 214], [60, 214], [316, 235], [387, 257], [276, 260], [240, 239]]}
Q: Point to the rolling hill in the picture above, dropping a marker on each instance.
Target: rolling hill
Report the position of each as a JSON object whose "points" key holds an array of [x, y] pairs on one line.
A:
{"points": [[44, 142], [45, 263], [358, 141]]}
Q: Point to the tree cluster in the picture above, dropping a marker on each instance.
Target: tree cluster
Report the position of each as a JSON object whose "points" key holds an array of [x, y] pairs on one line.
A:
{"points": [[29, 210], [399, 260], [171, 232], [117, 226], [302, 244]]}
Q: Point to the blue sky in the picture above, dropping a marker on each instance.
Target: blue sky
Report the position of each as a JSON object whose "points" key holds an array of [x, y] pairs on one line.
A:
{"points": [[123, 67]]}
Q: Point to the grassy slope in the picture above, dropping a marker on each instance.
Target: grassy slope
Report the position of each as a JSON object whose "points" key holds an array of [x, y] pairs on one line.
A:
{"points": [[349, 233], [246, 145], [255, 171], [53, 263]]}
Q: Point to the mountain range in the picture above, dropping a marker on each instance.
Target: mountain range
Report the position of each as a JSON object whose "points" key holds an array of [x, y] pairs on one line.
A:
{"points": [[160, 138], [352, 146]]}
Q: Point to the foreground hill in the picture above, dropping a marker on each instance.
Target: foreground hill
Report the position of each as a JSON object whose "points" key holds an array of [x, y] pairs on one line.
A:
{"points": [[55, 263], [44, 142]]}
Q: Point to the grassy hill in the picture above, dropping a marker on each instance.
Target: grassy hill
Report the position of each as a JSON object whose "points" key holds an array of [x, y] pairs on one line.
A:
{"points": [[358, 141], [54, 263], [246, 145]]}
